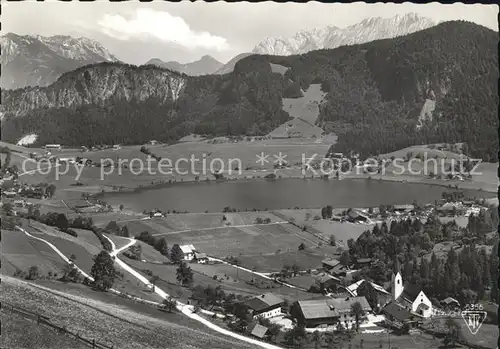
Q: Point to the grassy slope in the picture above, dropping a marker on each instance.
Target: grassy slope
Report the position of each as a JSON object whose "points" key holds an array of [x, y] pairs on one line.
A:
{"points": [[21, 252], [115, 324], [15, 329]]}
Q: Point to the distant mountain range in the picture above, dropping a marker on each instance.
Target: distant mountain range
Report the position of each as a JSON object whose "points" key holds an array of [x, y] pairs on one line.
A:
{"points": [[38, 61], [369, 29], [374, 96], [204, 66]]}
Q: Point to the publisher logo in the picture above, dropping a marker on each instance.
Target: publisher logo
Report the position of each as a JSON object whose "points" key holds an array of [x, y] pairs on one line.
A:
{"points": [[473, 319]]}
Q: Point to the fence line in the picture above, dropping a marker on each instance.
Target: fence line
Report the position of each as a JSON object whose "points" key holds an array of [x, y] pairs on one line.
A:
{"points": [[44, 320]]}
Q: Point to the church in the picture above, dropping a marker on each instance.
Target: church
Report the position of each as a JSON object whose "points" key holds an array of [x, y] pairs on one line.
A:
{"points": [[411, 297]]}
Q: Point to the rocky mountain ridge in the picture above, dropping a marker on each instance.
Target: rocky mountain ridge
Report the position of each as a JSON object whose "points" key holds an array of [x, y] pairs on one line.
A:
{"points": [[29, 60], [330, 37]]}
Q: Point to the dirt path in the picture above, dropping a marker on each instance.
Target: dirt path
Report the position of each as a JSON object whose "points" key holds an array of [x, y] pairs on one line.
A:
{"points": [[184, 308]]}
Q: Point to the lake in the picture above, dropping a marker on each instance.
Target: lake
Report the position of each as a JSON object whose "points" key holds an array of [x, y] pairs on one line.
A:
{"points": [[279, 194]]}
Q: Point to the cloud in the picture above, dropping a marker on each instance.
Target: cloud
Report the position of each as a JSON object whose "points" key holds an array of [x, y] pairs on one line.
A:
{"points": [[161, 25]]}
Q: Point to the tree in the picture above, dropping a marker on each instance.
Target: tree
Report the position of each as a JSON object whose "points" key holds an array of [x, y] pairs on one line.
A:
{"points": [[357, 311], [332, 240], [184, 275], [112, 228], [366, 290], [33, 273], [50, 190], [121, 207], [295, 269], [71, 273], [125, 231], [296, 336], [62, 222], [153, 280], [241, 311], [302, 247], [103, 271], [169, 304], [176, 254], [7, 208], [345, 258], [162, 246]]}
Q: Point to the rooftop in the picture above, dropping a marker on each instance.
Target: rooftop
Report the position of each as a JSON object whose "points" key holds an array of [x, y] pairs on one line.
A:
{"points": [[259, 331], [187, 248], [396, 311], [330, 307], [263, 301], [331, 262]]}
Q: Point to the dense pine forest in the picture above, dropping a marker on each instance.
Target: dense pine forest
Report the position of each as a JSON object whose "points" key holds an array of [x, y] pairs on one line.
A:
{"points": [[375, 93]]}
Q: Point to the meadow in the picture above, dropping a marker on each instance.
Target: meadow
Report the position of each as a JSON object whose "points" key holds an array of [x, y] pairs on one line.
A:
{"points": [[235, 241]]}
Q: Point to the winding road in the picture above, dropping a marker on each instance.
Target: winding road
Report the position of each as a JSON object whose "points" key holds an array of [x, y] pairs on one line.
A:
{"points": [[184, 308]]}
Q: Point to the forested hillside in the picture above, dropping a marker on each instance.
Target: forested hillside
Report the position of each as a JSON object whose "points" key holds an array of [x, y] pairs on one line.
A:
{"points": [[375, 92]]}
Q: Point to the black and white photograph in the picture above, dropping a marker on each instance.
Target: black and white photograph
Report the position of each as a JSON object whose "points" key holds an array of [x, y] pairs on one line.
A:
{"points": [[236, 175]]}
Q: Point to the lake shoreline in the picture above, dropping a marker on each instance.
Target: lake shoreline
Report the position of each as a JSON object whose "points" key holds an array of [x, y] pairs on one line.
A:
{"points": [[153, 188]]}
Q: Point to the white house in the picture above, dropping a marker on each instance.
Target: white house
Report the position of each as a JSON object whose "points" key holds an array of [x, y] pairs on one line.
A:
{"points": [[53, 146], [266, 305], [188, 252], [411, 296]]}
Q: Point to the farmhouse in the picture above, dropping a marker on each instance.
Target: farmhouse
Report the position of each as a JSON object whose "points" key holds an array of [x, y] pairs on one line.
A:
{"points": [[403, 208], [383, 296], [327, 282], [362, 262], [450, 303], [354, 216], [53, 146], [188, 252], [397, 317], [266, 305], [411, 297], [329, 263], [200, 258], [329, 311]]}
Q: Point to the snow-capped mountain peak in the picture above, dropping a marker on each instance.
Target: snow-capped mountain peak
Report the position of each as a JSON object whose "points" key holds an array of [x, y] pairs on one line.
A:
{"points": [[39, 60], [368, 29]]}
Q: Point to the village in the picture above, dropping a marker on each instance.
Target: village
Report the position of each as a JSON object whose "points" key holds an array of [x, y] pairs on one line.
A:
{"points": [[280, 276]]}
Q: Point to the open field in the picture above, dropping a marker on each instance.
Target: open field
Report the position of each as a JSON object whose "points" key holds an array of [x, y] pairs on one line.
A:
{"points": [[310, 258], [341, 231], [148, 252], [113, 322], [254, 240], [194, 221]]}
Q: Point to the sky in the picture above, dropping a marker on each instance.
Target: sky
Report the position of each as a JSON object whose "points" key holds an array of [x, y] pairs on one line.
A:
{"points": [[136, 32]]}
